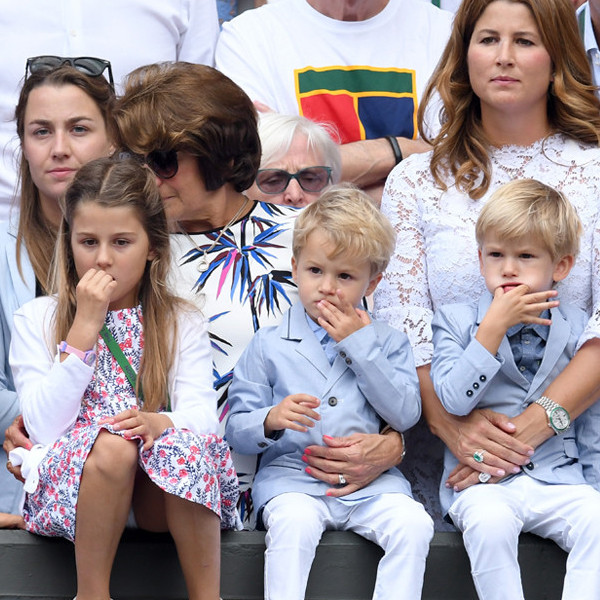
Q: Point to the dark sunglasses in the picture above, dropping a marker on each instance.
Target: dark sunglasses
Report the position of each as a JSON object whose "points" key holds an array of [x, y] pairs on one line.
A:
{"points": [[163, 163], [275, 181], [88, 65]]}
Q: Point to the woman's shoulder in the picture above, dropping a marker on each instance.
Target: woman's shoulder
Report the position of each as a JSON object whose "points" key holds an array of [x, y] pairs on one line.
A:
{"points": [[37, 305]]}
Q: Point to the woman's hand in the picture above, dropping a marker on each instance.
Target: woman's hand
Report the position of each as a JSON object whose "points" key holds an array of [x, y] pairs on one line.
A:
{"points": [[136, 423], [360, 458], [16, 437]]}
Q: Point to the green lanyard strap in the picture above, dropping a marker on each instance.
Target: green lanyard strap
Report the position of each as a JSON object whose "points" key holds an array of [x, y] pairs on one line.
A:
{"points": [[116, 351]]}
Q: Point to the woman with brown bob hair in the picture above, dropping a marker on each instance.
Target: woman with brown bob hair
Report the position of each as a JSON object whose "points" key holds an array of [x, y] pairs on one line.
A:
{"points": [[197, 131], [63, 120], [517, 101]]}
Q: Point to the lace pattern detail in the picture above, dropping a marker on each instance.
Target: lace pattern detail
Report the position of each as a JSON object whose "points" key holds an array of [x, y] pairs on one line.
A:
{"points": [[435, 260]]}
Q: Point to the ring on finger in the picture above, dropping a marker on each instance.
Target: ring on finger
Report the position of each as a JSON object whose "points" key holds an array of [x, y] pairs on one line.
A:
{"points": [[484, 477], [341, 480], [478, 456]]}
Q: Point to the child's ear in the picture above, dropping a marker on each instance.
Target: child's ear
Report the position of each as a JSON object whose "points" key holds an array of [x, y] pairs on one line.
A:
{"points": [[151, 254], [373, 284], [480, 261], [563, 267], [294, 269]]}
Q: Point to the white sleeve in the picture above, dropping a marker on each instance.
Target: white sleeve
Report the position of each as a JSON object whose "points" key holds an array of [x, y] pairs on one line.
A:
{"points": [[49, 391], [197, 44], [193, 399], [402, 298], [592, 329]]}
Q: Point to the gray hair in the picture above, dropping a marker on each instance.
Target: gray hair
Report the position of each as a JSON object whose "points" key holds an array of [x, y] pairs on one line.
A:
{"points": [[277, 133]]}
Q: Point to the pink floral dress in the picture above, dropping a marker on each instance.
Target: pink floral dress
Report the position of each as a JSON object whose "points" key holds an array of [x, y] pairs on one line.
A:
{"points": [[197, 468]]}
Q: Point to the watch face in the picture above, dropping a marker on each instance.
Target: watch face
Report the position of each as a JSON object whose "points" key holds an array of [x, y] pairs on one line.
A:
{"points": [[560, 419], [90, 358]]}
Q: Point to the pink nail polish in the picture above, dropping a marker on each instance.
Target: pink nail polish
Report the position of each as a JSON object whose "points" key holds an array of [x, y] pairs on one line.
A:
{"points": [[308, 470], [307, 451], [304, 458]]}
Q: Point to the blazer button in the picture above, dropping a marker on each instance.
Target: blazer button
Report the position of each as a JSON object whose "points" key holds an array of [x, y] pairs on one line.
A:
{"points": [[475, 386], [530, 466], [469, 393], [343, 354], [482, 378], [332, 401], [348, 361]]}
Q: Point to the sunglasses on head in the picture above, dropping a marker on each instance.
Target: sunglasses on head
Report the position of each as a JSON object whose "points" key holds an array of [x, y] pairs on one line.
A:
{"points": [[88, 65], [163, 163], [275, 181]]}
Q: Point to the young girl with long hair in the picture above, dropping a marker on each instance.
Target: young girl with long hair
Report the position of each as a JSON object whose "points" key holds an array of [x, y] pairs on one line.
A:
{"points": [[115, 382]]}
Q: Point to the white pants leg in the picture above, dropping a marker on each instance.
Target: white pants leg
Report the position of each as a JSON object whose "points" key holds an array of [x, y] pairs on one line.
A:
{"points": [[490, 518], [294, 523], [403, 529], [570, 515]]}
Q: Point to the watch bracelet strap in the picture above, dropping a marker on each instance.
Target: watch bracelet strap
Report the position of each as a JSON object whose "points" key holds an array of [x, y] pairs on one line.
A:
{"points": [[547, 403]]}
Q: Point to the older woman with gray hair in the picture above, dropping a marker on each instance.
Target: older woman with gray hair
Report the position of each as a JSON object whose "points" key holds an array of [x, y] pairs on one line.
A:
{"points": [[299, 160]]}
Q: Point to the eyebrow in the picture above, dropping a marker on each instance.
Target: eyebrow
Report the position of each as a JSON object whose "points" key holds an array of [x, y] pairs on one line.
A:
{"points": [[514, 33], [70, 121]]}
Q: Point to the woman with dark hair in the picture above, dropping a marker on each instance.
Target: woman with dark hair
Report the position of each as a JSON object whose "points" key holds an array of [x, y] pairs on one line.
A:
{"points": [[517, 102], [63, 121]]}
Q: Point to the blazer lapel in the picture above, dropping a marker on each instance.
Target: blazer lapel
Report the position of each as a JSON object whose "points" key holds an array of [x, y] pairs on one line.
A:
{"points": [[308, 345], [558, 337]]}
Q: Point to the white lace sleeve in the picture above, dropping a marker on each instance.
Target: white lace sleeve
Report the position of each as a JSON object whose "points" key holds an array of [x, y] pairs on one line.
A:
{"points": [[402, 298], [592, 329]]}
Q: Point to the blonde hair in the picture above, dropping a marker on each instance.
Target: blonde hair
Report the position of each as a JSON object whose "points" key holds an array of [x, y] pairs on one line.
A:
{"points": [[526, 208], [353, 224], [461, 148], [114, 183]]}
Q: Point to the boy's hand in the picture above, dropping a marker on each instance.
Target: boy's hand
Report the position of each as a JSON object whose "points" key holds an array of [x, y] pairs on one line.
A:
{"points": [[339, 318], [293, 412], [517, 305], [509, 308]]}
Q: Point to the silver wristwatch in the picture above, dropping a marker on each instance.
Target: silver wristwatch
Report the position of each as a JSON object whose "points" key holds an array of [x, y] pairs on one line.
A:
{"points": [[558, 417]]}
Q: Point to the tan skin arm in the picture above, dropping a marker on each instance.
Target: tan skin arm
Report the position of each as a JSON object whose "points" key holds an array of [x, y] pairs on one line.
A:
{"points": [[369, 162]]}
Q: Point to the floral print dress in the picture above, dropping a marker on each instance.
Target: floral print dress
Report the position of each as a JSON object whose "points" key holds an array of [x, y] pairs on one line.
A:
{"points": [[195, 467]]}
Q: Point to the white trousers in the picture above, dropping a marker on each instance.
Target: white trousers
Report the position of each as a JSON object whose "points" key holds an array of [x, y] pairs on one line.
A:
{"points": [[295, 523], [491, 518]]}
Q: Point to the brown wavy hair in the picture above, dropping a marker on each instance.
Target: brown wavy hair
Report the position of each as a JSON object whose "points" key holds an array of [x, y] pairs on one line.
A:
{"points": [[115, 182], [34, 231], [197, 109], [460, 149]]}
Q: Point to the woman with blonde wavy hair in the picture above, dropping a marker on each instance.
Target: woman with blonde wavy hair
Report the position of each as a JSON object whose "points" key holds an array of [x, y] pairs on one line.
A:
{"points": [[517, 101]]}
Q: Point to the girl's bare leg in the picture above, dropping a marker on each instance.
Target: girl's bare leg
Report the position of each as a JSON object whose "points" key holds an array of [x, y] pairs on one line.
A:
{"points": [[195, 529], [102, 509], [197, 534]]}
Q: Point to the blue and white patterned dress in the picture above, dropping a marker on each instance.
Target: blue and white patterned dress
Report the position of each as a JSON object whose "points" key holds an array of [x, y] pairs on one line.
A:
{"points": [[195, 467]]}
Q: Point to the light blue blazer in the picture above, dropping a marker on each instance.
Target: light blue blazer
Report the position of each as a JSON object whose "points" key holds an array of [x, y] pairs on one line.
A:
{"points": [[466, 376], [372, 380], [14, 292]]}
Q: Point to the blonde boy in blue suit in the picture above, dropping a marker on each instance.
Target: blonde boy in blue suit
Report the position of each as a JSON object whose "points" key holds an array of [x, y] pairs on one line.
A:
{"points": [[327, 369], [502, 353]]}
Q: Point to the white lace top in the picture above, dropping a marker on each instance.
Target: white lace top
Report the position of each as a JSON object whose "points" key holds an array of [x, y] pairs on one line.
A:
{"points": [[435, 261]]}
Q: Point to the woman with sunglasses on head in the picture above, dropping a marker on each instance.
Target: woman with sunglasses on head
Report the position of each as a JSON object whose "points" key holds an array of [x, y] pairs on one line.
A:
{"points": [[299, 160], [518, 102], [63, 121], [197, 131]]}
